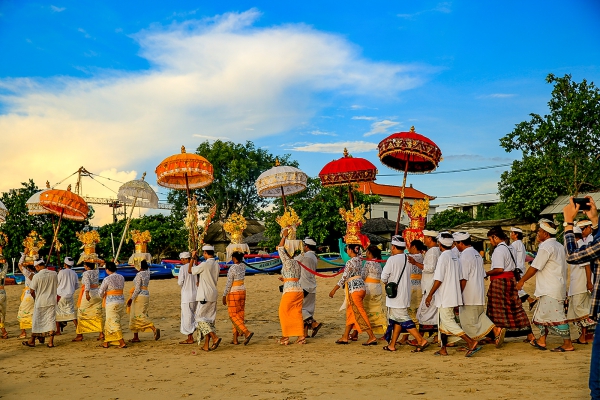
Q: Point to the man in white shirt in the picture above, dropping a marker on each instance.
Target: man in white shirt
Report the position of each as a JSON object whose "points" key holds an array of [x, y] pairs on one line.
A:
{"points": [[308, 282], [516, 235], [43, 290], [550, 270], [447, 290], [397, 271], [428, 316], [472, 313], [206, 296], [188, 284], [68, 282]]}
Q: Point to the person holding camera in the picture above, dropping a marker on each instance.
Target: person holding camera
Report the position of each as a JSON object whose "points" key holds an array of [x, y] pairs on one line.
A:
{"points": [[584, 254], [396, 276]]}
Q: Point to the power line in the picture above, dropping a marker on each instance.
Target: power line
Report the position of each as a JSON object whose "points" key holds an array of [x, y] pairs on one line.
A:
{"points": [[457, 170], [465, 195]]}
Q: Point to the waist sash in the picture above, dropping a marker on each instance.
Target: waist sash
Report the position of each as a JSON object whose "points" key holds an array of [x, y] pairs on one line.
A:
{"points": [[237, 283], [415, 277], [372, 280], [504, 275], [115, 292], [291, 279]]}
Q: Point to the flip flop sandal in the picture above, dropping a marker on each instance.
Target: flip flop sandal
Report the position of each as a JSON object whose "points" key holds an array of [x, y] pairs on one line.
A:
{"points": [[560, 349], [26, 343], [316, 329], [248, 338], [139, 341], [104, 347], [184, 342], [577, 341], [49, 346], [157, 334], [215, 344], [386, 348], [373, 343], [437, 353], [419, 349], [471, 352], [537, 346], [341, 342], [500, 338]]}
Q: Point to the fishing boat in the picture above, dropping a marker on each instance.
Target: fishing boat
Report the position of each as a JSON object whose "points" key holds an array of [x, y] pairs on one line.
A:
{"points": [[345, 257], [157, 271]]}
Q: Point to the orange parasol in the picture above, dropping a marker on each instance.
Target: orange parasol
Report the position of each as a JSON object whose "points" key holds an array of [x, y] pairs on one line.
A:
{"points": [[66, 204], [186, 171]]}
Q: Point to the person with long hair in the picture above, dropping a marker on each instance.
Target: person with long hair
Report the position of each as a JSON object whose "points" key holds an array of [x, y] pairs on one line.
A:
{"points": [[373, 302], [234, 297], [111, 293], [139, 303], [290, 306], [355, 290], [89, 305]]}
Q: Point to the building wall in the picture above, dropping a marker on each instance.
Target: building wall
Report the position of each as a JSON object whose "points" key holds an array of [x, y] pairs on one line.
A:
{"points": [[388, 208]]}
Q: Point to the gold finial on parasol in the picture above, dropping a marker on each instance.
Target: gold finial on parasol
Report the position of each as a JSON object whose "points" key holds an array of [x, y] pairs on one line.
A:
{"points": [[412, 128], [182, 149]]}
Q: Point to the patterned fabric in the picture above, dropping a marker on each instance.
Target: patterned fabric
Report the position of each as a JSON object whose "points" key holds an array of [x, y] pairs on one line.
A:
{"points": [[584, 254], [290, 313], [204, 329], [474, 321], [25, 312], [65, 309], [112, 326], [89, 278], [550, 315], [236, 304], [447, 322], [2, 307], [353, 269], [356, 316], [138, 315], [142, 279], [89, 314], [290, 270], [505, 309], [112, 282], [205, 316], [237, 272], [43, 321]]}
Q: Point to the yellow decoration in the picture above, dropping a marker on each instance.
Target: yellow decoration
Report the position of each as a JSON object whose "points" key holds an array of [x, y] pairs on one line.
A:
{"points": [[88, 238], [141, 237], [33, 243], [3, 239], [290, 221], [354, 220], [235, 226], [419, 209]]}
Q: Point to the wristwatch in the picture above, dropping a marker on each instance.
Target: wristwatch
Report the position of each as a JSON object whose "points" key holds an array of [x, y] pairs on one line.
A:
{"points": [[565, 224]]}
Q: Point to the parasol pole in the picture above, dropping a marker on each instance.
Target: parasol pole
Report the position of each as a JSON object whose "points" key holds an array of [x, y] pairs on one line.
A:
{"points": [[351, 196], [55, 234], [189, 196], [401, 198], [125, 230], [283, 197]]}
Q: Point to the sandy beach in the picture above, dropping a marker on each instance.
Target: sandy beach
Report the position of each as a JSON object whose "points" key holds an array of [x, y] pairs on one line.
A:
{"points": [[266, 370]]}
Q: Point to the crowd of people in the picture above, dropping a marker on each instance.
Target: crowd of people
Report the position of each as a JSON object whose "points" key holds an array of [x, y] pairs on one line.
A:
{"points": [[434, 293]]}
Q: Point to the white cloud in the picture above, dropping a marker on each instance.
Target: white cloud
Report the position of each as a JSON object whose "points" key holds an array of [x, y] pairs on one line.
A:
{"points": [[317, 132], [85, 34], [443, 8], [362, 117], [208, 137], [496, 96], [57, 9], [338, 148], [381, 127], [217, 76]]}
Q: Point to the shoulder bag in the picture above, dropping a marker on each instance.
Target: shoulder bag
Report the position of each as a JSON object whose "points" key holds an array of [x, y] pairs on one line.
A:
{"points": [[391, 288]]}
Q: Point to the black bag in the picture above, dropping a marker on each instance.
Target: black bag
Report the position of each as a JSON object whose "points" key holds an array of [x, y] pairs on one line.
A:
{"points": [[516, 272], [391, 288]]}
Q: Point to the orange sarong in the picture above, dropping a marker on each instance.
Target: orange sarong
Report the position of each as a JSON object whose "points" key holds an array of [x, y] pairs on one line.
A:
{"points": [[236, 305], [290, 314], [356, 316]]}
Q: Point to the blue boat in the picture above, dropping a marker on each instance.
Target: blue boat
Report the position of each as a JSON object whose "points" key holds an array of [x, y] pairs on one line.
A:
{"points": [[157, 271]]}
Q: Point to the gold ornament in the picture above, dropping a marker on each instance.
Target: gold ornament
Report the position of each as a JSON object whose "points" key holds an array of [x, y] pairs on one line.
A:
{"points": [[235, 226], [290, 221]]}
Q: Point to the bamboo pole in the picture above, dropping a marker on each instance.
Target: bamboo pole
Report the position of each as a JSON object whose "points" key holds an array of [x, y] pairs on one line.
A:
{"points": [[125, 230], [55, 234], [284, 201], [401, 198]]}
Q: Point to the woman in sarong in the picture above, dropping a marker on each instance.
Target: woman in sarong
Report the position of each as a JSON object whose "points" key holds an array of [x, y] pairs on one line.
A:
{"points": [[27, 302], [89, 305], [111, 293], [373, 302], [234, 297], [351, 280], [138, 304], [3, 271], [290, 307]]}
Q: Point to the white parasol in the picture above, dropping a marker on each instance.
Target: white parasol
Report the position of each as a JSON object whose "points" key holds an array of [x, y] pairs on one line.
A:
{"points": [[3, 212], [281, 181], [33, 204]]}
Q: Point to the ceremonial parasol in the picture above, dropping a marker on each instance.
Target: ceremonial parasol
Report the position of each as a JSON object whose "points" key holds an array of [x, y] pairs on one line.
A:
{"points": [[3, 212], [347, 171], [281, 181], [66, 204], [186, 171], [136, 192], [33, 204], [409, 152]]}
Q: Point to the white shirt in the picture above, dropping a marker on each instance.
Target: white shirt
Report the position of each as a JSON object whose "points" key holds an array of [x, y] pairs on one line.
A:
{"points": [[577, 276], [68, 282], [448, 272], [471, 265], [44, 283], [429, 263], [501, 257], [390, 273], [551, 277], [187, 282], [520, 254], [209, 274], [308, 281]]}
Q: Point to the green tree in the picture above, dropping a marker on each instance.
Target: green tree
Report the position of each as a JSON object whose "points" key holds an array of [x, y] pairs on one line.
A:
{"points": [[495, 211], [19, 224], [318, 207], [236, 168], [169, 237], [560, 150], [448, 219]]}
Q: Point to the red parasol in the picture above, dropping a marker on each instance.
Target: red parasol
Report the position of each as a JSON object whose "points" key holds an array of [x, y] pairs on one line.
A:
{"points": [[409, 152], [346, 171]]}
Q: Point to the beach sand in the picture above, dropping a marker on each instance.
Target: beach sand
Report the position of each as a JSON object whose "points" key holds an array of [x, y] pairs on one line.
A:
{"points": [[266, 370]]}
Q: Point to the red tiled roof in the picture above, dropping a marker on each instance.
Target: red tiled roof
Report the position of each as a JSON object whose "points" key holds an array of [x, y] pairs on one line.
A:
{"points": [[392, 191]]}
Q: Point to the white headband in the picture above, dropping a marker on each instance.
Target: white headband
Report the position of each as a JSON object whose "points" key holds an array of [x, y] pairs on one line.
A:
{"points": [[69, 261], [513, 229], [310, 242], [430, 233], [38, 262], [544, 225], [185, 254], [445, 241], [577, 229], [460, 236], [584, 223], [398, 241], [207, 247]]}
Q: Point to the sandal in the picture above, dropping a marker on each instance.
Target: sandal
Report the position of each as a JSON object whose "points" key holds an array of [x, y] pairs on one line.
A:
{"points": [[139, 341], [373, 343], [248, 338], [471, 352], [300, 341], [437, 353], [215, 344], [316, 329], [500, 338], [387, 348], [184, 342], [420, 349], [157, 334], [577, 341], [26, 343], [22, 336], [537, 346], [5, 336], [340, 341], [560, 349], [50, 346], [284, 341], [103, 346]]}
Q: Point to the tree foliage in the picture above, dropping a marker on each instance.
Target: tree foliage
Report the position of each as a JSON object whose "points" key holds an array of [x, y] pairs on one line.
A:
{"points": [[448, 219], [493, 212], [560, 150], [318, 207], [19, 224], [169, 237], [236, 168]]}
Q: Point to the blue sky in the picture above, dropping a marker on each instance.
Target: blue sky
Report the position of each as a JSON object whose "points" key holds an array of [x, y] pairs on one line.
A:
{"points": [[118, 86]]}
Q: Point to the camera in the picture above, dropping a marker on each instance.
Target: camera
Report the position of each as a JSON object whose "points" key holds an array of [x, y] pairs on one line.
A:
{"points": [[584, 203]]}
